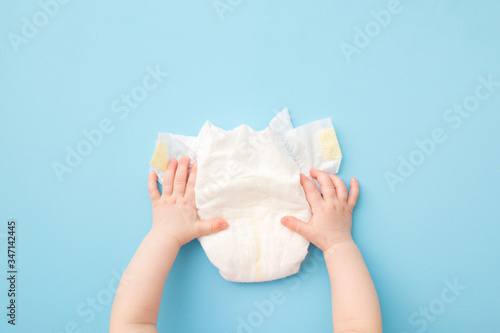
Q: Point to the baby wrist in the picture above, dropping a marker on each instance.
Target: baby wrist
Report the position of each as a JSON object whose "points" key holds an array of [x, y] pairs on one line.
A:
{"points": [[349, 242], [160, 234]]}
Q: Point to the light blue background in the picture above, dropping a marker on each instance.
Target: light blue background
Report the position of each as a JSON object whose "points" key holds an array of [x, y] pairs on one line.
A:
{"points": [[440, 224]]}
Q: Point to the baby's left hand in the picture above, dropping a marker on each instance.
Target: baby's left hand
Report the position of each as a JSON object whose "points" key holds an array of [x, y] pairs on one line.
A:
{"points": [[174, 211]]}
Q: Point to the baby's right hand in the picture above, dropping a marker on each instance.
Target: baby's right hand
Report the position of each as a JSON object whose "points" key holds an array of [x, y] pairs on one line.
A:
{"points": [[331, 219]]}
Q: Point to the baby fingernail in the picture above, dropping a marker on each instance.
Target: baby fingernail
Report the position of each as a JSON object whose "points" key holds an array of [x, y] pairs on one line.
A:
{"points": [[223, 226], [284, 221]]}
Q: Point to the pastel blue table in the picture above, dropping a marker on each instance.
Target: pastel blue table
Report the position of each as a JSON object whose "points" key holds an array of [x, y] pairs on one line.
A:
{"points": [[413, 90]]}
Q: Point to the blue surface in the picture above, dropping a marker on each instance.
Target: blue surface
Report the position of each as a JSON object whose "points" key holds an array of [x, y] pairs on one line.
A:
{"points": [[75, 235]]}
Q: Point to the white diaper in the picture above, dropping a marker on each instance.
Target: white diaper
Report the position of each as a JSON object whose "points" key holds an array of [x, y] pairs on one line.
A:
{"points": [[251, 179]]}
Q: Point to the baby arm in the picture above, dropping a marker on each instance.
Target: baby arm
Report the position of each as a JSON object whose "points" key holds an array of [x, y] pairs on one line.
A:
{"points": [[175, 223], [355, 305]]}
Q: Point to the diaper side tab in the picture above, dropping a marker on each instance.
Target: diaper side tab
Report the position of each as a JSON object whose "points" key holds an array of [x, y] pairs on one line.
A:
{"points": [[160, 156], [330, 144], [172, 146], [315, 145]]}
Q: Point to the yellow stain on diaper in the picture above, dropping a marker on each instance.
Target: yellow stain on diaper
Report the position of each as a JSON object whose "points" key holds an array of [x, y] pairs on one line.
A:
{"points": [[330, 144], [159, 159], [257, 250]]}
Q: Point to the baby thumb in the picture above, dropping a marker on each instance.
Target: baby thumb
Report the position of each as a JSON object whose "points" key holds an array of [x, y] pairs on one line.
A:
{"points": [[211, 226], [294, 224]]}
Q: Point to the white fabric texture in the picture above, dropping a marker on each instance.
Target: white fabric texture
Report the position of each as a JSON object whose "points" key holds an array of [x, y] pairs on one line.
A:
{"points": [[251, 179]]}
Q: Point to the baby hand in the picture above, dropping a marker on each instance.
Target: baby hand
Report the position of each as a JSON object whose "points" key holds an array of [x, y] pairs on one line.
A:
{"points": [[174, 211], [331, 220]]}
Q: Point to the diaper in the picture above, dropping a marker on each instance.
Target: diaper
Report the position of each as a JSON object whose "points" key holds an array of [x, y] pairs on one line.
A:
{"points": [[251, 179]]}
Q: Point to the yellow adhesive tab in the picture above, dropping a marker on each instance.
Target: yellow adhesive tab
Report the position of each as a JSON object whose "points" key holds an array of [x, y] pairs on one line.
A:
{"points": [[257, 251], [330, 144], [159, 159]]}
